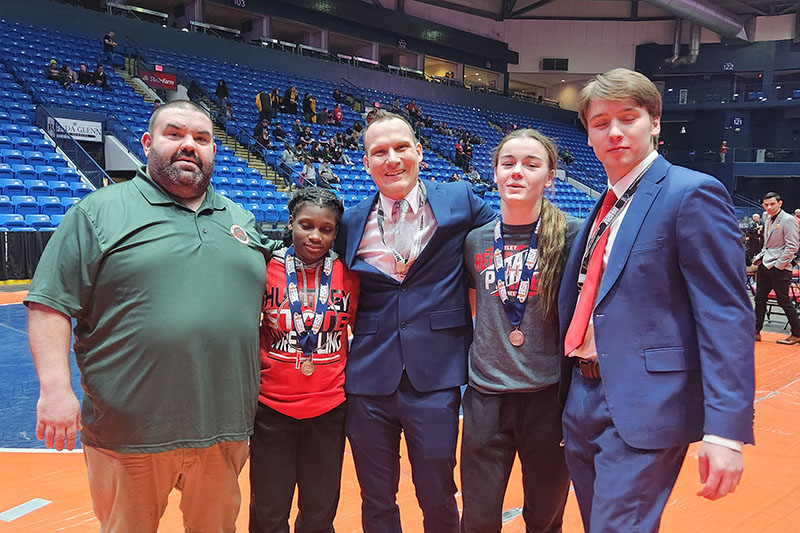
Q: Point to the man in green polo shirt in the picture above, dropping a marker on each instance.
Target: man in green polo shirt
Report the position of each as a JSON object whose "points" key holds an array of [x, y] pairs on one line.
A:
{"points": [[164, 279]]}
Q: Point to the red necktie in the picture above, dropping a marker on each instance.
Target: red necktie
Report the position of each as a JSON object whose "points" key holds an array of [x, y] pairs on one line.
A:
{"points": [[594, 272]]}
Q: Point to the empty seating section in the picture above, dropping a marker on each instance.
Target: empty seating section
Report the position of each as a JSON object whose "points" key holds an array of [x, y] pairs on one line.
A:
{"points": [[36, 181]]}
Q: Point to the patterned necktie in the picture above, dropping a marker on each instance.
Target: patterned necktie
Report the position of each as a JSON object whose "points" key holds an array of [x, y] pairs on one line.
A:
{"points": [[402, 228], [594, 273]]}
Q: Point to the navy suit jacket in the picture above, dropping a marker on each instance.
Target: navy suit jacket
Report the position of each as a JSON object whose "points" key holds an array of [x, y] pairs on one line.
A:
{"points": [[673, 323], [424, 322]]}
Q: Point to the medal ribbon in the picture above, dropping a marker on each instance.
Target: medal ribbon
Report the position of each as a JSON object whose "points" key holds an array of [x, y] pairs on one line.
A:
{"points": [[416, 243], [306, 338], [514, 308], [609, 219]]}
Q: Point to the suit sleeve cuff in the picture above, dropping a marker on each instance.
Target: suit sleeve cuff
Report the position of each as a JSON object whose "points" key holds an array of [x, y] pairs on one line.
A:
{"points": [[722, 441]]}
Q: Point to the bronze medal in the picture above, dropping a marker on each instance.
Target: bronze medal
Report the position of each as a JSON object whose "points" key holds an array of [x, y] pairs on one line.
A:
{"points": [[307, 367], [516, 338]]}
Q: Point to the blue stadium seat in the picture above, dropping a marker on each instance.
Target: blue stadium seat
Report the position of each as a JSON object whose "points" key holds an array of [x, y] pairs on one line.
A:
{"points": [[23, 144], [6, 172], [12, 221], [34, 158], [50, 205], [68, 174], [55, 160], [12, 187], [6, 206], [12, 157], [25, 205], [24, 172], [38, 221], [80, 189], [46, 172], [271, 215], [37, 187], [56, 219], [60, 189], [69, 201]]}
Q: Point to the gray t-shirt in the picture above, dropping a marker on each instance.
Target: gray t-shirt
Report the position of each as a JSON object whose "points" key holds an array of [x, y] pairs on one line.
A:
{"points": [[495, 365]]}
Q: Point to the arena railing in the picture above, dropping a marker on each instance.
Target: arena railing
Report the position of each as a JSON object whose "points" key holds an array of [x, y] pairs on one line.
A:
{"points": [[125, 135]]}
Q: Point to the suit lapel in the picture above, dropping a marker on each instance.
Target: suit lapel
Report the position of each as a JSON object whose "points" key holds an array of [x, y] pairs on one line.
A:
{"points": [[640, 205]]}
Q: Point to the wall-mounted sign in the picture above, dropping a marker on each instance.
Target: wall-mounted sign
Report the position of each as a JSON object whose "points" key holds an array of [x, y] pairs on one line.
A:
{"points": [[159, 80], [81, 130]]}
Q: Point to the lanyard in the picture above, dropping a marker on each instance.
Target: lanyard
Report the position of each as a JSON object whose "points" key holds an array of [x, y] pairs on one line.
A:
{"points": [[609, 219], [308, 339], [515, 308], [417, 241]]}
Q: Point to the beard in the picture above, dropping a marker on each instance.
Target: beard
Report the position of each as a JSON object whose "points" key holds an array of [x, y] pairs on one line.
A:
{"points": [[180, 183]]}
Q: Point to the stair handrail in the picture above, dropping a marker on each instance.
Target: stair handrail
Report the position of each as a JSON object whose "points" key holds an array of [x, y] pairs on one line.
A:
{"points": [[134, 149]]}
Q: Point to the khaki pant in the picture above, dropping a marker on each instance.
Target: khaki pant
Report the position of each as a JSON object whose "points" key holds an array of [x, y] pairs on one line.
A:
{"points": [[130, 490]]}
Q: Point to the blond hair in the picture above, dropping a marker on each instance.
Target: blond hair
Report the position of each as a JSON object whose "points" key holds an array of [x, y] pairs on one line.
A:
{"points": [[552, 229], [380, 115]]}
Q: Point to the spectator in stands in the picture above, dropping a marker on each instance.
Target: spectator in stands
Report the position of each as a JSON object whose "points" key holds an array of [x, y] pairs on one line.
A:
{"points": [[278, 134], [297, 128], [100, 79], [300, 419], [84, 76], [459, 147], [390, 383], [473, 175], [511, 403], [263, 140], [145, 412], [338, 115], [325, 176], [290, 100], [51, 70], [566, 156], [285, 165], [307, 138], [275, 103], [156, 104], [222, 93], [338, 97], [194, 92], [467, 154], [396, 109], [261, 126], [754, 238], [318, 152], [66, 77], [262, 104], [455, 177], [308, 176], [310, 108], [324, 116], [322, 136], [413, 110], [723, 151], [109, 44], [227, 113], [781, 242]]}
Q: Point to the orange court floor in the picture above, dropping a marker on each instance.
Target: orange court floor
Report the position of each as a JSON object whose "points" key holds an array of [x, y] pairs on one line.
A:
{"points": [[766, 500]]}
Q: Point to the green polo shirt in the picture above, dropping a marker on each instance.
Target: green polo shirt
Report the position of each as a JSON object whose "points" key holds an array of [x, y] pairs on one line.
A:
{"points": [[167, 304]]}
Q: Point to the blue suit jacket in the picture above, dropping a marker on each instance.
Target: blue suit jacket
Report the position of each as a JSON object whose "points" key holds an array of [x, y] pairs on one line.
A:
{"points": [[673, 323], [423, 322]]}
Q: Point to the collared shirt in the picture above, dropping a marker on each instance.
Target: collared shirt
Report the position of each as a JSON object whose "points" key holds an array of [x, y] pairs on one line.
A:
{"points": [[378, 253]]}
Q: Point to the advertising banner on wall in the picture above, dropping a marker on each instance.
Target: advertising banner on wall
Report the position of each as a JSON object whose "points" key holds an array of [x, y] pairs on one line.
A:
{"points": [[81, 130], [158, 80]]}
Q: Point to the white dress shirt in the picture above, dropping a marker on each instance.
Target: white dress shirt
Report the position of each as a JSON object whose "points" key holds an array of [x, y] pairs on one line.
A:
{"points": [[378, 253]]}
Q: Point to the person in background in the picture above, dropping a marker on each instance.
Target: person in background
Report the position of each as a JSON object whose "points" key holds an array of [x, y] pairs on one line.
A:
{"points": [[514, 266], [290, 100], [310, 304], [222, 93], [308, 176], [84, 76], [338, 115], [51, 70], [109, 45]]}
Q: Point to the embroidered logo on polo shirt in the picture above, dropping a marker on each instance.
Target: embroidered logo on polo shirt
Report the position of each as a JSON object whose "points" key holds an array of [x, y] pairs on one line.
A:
{"points": [[240, 234]]}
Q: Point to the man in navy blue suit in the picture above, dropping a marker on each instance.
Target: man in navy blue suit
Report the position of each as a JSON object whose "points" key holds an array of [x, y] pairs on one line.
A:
{"points": [[656, 321], [408, 356]]}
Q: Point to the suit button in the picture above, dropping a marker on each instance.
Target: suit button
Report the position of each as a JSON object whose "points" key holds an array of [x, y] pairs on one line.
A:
{"points": [[599, 315], [403, 325], [403, 288]]}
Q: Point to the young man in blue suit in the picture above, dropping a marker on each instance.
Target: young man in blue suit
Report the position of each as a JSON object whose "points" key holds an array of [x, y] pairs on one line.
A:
{"points": [[656, 321], [408, 356]]}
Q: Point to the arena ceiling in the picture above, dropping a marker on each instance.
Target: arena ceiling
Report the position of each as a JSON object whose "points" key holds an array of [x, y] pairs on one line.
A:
{"points": [[602, 10]]}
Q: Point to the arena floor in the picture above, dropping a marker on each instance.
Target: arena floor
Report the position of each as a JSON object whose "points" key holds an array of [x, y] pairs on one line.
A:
{"points": [[45, 491]]}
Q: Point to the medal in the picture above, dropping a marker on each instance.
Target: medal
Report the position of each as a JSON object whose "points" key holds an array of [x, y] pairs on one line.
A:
{"points": [[401, 265], [514, 308], [307, 367], [307, 338]]}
